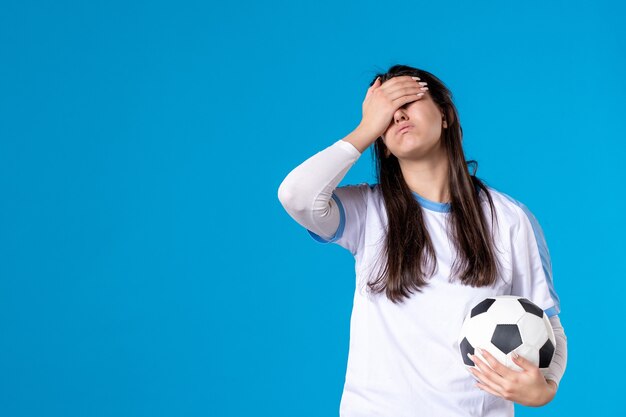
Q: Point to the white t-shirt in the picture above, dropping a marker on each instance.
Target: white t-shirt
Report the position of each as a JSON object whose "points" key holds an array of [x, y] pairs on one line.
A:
{"points": [[404, 360]]}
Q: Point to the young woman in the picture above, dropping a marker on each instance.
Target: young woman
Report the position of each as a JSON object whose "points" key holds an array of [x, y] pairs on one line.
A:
{"points": [[430, 240]]}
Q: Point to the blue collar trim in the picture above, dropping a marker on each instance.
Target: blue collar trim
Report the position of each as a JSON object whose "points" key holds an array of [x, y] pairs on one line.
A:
{"points": [[432, 205], [435, 205]]}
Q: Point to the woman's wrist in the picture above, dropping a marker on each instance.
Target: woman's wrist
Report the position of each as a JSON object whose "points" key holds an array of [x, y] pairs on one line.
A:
{"points": [[360, 138]]}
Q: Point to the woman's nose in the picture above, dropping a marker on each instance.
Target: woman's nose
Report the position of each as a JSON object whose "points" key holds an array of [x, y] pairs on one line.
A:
{"points": [[400, 115]]}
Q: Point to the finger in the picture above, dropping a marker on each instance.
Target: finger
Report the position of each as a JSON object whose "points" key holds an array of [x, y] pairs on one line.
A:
{"points": [[394, 83], [401, 101], [490, 375], [403, 89], [522, 362], [406, 90], [375, 84], [489, 390], [372, 87], [480, 378], [476, 373], [484, 383], [495, 364], [392, 90]]}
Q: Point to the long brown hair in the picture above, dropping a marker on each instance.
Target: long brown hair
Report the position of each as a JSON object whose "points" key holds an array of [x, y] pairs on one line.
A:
{"points": [[408, 247]]}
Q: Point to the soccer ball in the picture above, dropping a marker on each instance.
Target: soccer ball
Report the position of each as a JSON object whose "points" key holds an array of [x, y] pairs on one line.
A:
{"points": [[505, 324]]}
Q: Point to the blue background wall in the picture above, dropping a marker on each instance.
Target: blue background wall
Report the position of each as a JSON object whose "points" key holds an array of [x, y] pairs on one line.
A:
{"points": [[147, 267]]}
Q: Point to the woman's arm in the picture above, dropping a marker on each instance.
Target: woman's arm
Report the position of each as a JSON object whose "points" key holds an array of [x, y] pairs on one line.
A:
{"points": [[559, 360], [306, 192]]}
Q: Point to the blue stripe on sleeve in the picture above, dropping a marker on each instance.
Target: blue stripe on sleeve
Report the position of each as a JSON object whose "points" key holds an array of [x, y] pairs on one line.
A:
{"points": [[551, 312], [342, 223], [543, 254]]}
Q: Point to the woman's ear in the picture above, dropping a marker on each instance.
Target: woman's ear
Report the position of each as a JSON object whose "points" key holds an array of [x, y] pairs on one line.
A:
{"points": [[446, 121]]}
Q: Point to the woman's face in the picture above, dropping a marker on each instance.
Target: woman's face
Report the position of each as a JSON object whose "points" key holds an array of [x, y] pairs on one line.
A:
{"points": [[424, 123]]}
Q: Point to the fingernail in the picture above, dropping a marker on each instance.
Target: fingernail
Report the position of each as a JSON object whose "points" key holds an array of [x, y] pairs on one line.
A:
{"points": [[479, 350], [515, 355], [416, 78]]}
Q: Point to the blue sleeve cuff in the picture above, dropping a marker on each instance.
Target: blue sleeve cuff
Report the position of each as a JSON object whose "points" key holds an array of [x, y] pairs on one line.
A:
{"points": [[551, 312]]}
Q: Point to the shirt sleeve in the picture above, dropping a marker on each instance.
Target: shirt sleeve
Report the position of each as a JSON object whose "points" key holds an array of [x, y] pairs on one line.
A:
{"points": [[307, 192], [559, 360], [351, 202], [532, 268]]}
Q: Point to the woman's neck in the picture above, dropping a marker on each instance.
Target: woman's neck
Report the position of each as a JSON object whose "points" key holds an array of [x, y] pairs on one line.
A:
{"points": [[428, 177]]}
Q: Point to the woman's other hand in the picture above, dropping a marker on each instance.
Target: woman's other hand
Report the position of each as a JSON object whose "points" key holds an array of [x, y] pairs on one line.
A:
{"points": [[527, 387]]}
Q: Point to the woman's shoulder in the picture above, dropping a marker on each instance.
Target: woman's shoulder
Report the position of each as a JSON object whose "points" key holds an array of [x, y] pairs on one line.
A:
{"points": [[511, 207], [364, 192], [364, 187]]}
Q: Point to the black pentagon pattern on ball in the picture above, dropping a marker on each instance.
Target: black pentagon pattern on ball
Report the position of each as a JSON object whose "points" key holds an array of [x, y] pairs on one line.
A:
{"points": [[466, 347], [506, 337], [545, 354], [482, 306], [531, 307]]}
